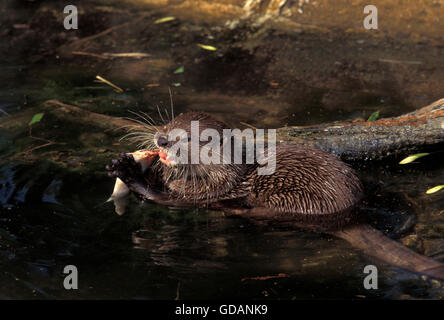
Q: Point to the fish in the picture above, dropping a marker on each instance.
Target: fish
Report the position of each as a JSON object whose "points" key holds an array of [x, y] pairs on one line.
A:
{"points": [[120, 192]]}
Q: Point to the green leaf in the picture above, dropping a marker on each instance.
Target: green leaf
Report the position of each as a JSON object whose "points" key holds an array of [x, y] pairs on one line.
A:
{"points": [[165, 19], [181, 69], [413, 158], [435, 189], [176, 84], [374, 116], [36, 118], [207, 47]]}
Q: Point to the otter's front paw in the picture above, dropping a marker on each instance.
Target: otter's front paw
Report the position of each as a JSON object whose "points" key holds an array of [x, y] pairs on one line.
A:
{"points": [[125, 168]]}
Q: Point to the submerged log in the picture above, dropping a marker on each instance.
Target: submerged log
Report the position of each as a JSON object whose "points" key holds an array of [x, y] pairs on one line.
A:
{"points": [[374, 243], [351, 140], [79, 115]]}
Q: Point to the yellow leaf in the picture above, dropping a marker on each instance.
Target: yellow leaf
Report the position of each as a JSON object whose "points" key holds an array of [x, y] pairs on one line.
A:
{"points": [[207, 47], [413, 158], [435, 189], [165, 19]]}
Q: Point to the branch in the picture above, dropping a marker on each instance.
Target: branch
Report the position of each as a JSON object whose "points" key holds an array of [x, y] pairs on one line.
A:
{"points": [[358, 140], [76, 114]]}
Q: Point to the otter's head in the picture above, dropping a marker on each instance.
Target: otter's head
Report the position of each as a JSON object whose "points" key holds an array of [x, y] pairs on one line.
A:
{"points": [[191, 156], [189, 139]]}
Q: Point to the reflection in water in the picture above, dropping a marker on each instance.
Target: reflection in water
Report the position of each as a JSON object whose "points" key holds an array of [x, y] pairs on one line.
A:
{"points": [[7, 186], [50, 193], [149, 250]]}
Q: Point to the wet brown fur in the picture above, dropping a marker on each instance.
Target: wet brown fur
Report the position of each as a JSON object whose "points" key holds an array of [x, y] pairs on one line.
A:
{"points": [[307, 181]]}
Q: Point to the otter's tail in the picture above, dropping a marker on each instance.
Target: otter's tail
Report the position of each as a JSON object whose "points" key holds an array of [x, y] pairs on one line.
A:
{"points": [[376, 244]]}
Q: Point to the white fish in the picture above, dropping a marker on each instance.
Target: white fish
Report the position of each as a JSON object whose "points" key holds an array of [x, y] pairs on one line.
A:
{"points": [[121, 191]]}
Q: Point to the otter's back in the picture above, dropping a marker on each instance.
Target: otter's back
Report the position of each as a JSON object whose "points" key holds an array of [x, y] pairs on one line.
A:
{"points": [[307, 181]]}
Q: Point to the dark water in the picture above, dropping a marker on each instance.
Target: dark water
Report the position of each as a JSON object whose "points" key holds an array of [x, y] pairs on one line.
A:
{"points": [[52, 219], [52, 212]]}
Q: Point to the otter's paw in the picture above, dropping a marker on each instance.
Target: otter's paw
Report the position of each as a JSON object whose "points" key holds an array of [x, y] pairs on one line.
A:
{"points": [[125, 168]]}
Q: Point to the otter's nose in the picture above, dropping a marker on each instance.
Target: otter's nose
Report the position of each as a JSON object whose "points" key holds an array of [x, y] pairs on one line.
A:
{"points": [[162, 141]]}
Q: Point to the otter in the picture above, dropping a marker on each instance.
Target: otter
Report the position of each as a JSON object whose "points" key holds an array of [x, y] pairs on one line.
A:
{"points": [[309, 188]]}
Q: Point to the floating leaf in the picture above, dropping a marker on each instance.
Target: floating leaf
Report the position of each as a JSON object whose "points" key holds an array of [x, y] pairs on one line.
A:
{"points": [[207, 47], [176, 84], [413, 158], [36, 118], [435, 189], [374, 116], [165, 19], [181, 69]]}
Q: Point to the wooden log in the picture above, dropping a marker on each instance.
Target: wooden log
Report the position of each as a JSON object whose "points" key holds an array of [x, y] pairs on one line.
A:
{"points": [[363, 140], [374, 243], [351, 140], [76, 115]]}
